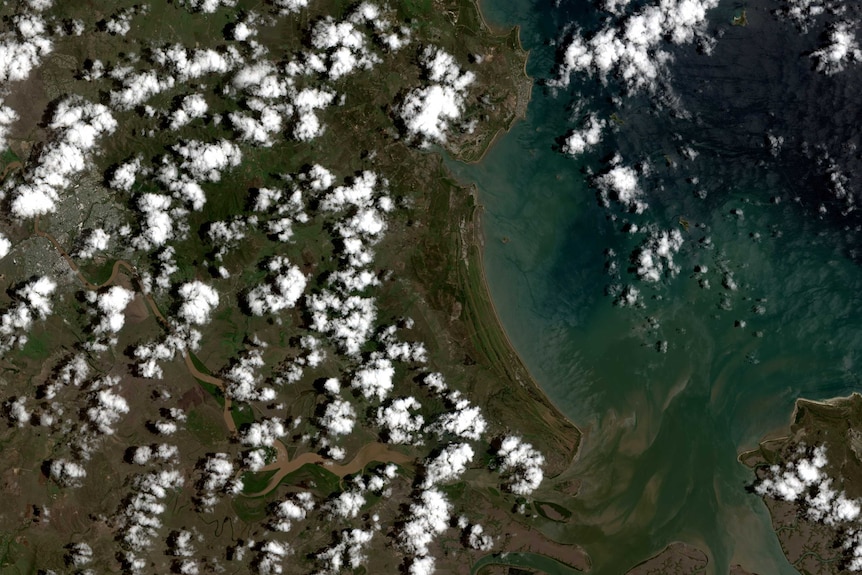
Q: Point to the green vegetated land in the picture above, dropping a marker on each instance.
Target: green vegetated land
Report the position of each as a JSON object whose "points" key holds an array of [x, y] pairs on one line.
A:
{"points": [[428, 267], [811, 545]]}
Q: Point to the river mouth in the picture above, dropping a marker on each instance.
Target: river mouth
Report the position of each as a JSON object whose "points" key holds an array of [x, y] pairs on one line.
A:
{"points": [[670, 393]]}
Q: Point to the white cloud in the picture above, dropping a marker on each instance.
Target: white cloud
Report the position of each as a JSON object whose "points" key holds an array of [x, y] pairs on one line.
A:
{"points": [[284, 287], [217, 478], [629, 46], [191, 64], [76, 125], [841, 49], [206, 161], [478, 539], [306, 124], [123, 177], [520, 464], [191, 107], [428, 518], [579, 141], [106, 408], [447, 465], [78, 554], [262, 433], [654, 258], [338, 417], [242, 381], [428, 111], [33, 300], [295, 508], [207, 6], [198, 301], [399, 420], [67, 473], [290, 6], [346, 504], [5, 246], [96, 240], [805, 12], [157, 224], [374, 377], [464, 421], [138, 88], [435, 382], [620, 184], [111, 305], [120, 24], [21, 53], [348, 553], [348, 321]]}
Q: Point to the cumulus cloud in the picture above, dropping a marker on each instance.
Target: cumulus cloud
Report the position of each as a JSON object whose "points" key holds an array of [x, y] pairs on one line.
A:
{"points": [[463, 420], [841, 49], [399, 420], [197, 302], [96, 240], [290, 6], [191, 107], [346, 504], [655, 256], [629, 47], [374, 377], [123, 177], [216, 478], [347, 553], [23, 49], [149, 355], [67, 473], [338, 417], [207, 6], [804, 12], [110, 305], [520, 464], [579, 141], [158, 223], [5, 246], [348, 321], [285, 285], [619, 183], [803, 479], [428, 518], [106, 406], [78, 554], [207, 160], [242, 382], [76, 126], [262, 433], [306, 125], [428, 111], [450, 463], [188, 64], [295, 508], [140, 517], [33, 300], [476, 538]]}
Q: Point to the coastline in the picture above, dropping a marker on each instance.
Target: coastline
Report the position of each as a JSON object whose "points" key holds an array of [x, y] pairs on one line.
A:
{"points": [[478, 241], [785, 433], [471, 252]]}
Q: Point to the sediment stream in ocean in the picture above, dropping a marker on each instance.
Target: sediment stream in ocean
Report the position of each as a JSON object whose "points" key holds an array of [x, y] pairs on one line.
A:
{"points": [[669, 393]]}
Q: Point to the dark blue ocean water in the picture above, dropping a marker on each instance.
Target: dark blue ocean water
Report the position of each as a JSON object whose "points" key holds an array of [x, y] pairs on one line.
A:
{"points": [[663, 430]]}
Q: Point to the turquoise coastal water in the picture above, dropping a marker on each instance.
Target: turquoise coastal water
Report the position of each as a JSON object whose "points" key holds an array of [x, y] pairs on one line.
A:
{"points": [[663, 430]]}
